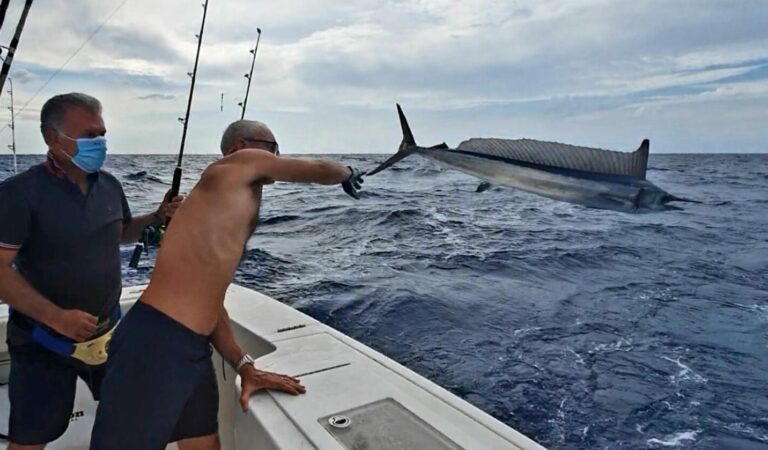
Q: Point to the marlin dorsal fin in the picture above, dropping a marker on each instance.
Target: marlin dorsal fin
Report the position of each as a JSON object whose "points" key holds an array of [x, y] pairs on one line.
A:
{"points": [[555, 154]]}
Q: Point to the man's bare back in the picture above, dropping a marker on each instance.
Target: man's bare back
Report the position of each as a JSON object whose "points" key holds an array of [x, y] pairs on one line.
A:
{"points": [[181, 314], [205, 241]]}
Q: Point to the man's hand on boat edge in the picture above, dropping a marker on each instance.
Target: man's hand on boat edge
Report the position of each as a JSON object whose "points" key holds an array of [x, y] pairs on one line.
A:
{"points": [[253, 380]]}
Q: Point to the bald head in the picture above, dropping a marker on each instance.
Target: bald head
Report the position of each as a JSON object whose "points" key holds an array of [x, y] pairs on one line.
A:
{"points": [[247, 134]]}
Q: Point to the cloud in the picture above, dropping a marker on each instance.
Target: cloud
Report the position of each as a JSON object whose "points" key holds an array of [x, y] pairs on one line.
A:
{"points": [[157, 97], [328, 72], [22, 76], [29, 116]]}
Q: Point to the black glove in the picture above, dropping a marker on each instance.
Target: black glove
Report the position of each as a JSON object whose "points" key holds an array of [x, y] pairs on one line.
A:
{"points": [[353, 182]]}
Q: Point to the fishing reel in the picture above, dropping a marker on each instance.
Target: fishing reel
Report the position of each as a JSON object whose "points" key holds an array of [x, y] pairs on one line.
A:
{"points": [[152, 236]]}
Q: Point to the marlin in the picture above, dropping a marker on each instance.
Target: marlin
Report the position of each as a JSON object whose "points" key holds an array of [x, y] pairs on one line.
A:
{"points": [[592, 177]]}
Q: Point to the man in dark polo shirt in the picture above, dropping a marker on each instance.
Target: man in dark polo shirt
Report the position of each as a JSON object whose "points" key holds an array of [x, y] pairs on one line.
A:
{"points": [[61, 226]]}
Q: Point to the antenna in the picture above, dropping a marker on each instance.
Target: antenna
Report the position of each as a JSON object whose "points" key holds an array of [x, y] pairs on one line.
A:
{"points": [[249, 76], [221, 105], [13, 128]]}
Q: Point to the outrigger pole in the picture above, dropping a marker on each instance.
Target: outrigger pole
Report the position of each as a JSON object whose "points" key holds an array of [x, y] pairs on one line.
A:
{"points": [[14, 43], [185, 121], [13, 127], [249, 76]]}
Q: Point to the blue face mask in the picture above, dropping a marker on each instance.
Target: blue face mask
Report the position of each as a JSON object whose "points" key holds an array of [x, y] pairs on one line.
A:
{"points": [[91, 153]]}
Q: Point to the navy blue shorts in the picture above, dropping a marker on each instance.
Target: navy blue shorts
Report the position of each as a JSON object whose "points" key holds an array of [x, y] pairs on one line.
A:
{"points": [[41, 390], [160, 385]]}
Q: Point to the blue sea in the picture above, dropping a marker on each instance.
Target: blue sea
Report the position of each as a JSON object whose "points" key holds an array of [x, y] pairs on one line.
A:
{"points": [[581, 328]]}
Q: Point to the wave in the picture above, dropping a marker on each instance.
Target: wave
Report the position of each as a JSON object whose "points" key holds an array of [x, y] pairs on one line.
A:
{"points": [[327, 208], [143, 175], [555, 319], [278, 219], [675, 440], [665, 169]]}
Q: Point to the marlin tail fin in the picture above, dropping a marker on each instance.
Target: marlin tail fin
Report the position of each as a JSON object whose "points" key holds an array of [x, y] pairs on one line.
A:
{"points": [[407, 146]]}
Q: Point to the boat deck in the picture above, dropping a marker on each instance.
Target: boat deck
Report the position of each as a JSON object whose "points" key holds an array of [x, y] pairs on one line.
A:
{"points": [[356, 397]]}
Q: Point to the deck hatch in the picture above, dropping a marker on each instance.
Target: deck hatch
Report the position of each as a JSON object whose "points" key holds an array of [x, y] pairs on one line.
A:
{"points": [[385, 425]]}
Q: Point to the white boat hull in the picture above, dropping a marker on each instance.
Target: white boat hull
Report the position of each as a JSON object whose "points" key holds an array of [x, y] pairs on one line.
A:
{"points": [[385, 405]]}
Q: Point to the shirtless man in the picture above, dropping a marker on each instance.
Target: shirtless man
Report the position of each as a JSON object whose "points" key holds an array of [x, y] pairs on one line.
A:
{"points": [[160, 385]]}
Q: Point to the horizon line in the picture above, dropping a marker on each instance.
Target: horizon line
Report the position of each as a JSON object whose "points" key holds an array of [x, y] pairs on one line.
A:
{"points": [[360, 154]]}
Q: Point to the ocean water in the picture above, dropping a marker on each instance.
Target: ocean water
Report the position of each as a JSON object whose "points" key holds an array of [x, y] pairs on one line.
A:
{"points": [[580, 328]]}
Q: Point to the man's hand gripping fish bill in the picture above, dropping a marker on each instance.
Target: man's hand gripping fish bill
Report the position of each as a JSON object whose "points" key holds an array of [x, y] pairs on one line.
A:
{"points": [[160, 385]]}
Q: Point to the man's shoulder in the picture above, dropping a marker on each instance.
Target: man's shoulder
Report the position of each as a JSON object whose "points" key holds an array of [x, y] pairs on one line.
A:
{"points": [[108, 178], [23, 182], [223, 166], [247, 159]]}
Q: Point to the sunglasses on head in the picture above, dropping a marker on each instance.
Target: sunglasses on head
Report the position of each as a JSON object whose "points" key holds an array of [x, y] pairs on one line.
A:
{"points": [[275, 146]]}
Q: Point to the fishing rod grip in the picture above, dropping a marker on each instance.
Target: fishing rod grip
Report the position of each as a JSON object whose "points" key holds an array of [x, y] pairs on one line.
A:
{"points": [[175, 185]]}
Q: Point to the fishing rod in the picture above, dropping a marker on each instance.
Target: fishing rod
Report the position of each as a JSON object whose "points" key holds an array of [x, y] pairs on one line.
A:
{"points": [[185, 121], [3, 9], [13, 127], [249, 76], [176, 184], [14, 44]]}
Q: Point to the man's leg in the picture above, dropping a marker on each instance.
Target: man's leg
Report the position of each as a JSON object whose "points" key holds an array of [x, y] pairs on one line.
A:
{"points": [[42, 393], [147, 384], [93, 376], [197, 428], [138, 407], [12, 446], [210, 442]]}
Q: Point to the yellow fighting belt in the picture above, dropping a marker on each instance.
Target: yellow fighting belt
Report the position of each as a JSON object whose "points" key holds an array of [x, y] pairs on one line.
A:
{"points": [[93, 352]]}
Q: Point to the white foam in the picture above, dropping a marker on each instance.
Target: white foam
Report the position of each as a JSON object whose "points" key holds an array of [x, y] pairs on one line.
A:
{"points": [[674, 440], [620, 345], [685, 374], [525, 330], [579, 359]]}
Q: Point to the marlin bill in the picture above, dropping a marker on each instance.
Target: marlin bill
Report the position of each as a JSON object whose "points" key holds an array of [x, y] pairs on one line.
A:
{"points": [[592, 177]]}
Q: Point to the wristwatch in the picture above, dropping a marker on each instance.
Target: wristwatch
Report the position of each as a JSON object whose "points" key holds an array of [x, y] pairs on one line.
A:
{"points": [[246, 359]]}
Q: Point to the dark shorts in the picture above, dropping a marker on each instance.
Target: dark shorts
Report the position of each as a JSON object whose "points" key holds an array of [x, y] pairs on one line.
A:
{"points": [[41, 391], [160, 385]]}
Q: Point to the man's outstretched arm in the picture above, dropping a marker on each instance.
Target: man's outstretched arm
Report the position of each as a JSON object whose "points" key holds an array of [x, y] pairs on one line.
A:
{"points": [[268, 167], [252, 379]]}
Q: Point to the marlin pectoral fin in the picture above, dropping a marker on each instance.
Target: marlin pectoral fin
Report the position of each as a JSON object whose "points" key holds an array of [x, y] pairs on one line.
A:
{"points": [[484, 186], [672, 198]]}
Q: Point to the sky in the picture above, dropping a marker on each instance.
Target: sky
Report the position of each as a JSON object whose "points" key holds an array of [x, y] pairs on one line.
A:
{"points": [[692, 76]]}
